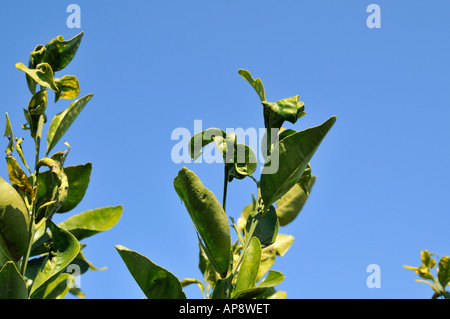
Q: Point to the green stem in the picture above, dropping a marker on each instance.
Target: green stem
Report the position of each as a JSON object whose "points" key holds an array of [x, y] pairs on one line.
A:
{"points": [[32, 229], [225, 187]]}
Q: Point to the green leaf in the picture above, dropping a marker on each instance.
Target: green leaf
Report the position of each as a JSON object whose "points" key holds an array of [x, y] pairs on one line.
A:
{"points": [[59, 53], [20, 152], [444, 271], [289, 109], [245, 161], [14, 222], [92, 222], [267, 228], [78, 177], [55, 288], [60, 187], [69, 87], [273, 278], [283, 243], [155, 281], [12, 283], [64, 249], [9, 134], [201, 139], [248, 270], [17, 176], [208, 217], [62, 121], [36, 57], [42, 74], [256, 84], [221, 286], [291, 203], [289, 159]]}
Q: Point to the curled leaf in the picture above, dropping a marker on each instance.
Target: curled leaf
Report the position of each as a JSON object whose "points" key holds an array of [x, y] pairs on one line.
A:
{"points": [[17, 176], [69, 87], [42, 74]]}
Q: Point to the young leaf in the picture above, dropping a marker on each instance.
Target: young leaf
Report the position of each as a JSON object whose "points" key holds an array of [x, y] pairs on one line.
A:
{"points": [[64, 249], [20, 152], [248, 270], [15, 221], [42, 74], [291, 156], [9, 134], [201, 139], [59, 53], [276, 113], [155, 281], [208, 217], [36, 57], [291, 203], [256, 84], [12, 283], [62, 121]]}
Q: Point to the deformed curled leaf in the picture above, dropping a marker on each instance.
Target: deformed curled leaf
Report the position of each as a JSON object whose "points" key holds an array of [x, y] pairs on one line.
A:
{"points": [[208, 217]]}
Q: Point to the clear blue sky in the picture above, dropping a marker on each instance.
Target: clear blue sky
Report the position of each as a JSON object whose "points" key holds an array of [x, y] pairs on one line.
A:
{"points": [[383, 187]]}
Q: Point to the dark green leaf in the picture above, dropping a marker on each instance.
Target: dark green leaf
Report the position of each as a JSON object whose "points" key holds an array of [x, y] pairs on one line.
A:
{"points": [[78, 178], [289, 159], [155, 281], [267, 228], [12, 285], [59, 53], [208, 217]]}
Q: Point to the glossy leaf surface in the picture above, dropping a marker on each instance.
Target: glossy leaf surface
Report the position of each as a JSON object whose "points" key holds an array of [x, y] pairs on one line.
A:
{"points": [[155, 281], [292, 154], [64, 249], [248, 270]]}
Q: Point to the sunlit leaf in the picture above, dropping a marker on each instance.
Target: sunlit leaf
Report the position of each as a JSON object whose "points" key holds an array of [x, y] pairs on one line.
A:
{"points": [[155, 281], [62, 121]]}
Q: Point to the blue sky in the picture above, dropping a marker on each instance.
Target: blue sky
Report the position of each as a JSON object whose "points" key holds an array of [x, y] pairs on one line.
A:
{"points": [[383, 171]]}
